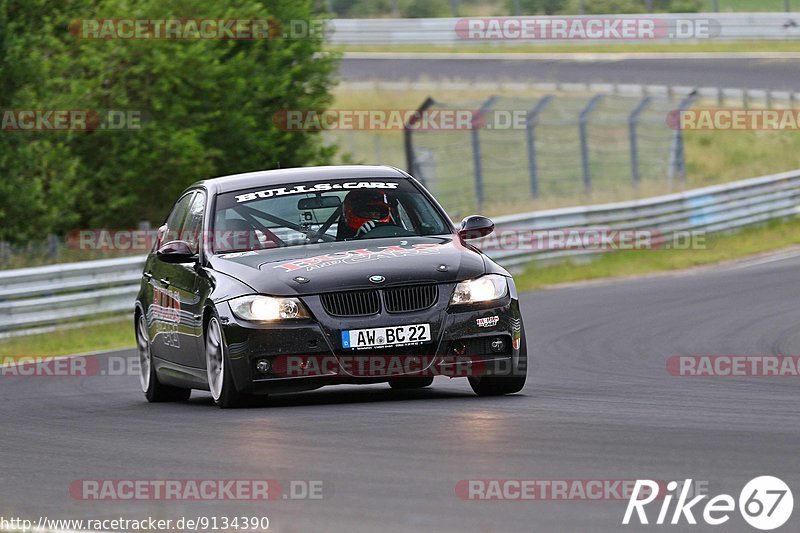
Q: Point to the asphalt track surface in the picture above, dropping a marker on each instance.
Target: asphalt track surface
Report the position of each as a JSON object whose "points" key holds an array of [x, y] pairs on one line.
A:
{"points": [[776, 74], [599, 404]]}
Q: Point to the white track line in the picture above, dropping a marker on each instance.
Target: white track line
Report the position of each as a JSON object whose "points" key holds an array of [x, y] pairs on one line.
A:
{"points": [[766, 260]]}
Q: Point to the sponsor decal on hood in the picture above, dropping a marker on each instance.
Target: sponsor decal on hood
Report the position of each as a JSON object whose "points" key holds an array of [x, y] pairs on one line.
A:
{"points": [[361, 255]]}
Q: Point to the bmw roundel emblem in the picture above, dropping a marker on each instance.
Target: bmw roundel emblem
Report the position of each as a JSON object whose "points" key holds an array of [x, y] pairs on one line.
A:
{"points": [[377, 279]]}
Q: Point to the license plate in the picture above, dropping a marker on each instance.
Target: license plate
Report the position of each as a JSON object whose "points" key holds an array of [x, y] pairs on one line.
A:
{"points": [[389, 336]]}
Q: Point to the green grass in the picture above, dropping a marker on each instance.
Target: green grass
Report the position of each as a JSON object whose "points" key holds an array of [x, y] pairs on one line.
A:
{"points": [[724, 247], [598, 48], [715, 157], [79, 339]]}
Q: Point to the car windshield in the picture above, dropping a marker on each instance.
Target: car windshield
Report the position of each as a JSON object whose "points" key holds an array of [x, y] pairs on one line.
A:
{"points": [[297, 214]]}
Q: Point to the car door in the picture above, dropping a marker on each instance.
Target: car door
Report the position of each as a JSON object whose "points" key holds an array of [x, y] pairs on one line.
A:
{"points": [[173, 289], [188, 282]]}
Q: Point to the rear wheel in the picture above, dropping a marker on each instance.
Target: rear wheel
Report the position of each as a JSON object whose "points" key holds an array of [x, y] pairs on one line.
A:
{"points": [[500, 385], [220, 377], [410, 383], [153, 390]]}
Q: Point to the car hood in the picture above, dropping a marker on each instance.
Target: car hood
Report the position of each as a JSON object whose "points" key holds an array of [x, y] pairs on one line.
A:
{"points": [[349, 265]]}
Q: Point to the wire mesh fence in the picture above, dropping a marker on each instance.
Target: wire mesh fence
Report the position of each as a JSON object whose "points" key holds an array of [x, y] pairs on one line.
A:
{"points": [[553, 146], [557, 145]]}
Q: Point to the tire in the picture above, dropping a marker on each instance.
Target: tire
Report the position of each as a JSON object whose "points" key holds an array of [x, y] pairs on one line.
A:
{"points": [[220, 379], [148, 379], [410, 383], [500, 385]]}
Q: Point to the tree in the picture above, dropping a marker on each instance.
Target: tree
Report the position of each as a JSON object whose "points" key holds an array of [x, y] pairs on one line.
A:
{"points": [[39, 188], [206, 108]]}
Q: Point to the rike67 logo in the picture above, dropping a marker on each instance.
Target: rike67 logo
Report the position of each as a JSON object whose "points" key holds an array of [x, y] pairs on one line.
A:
{"points": [[765, 502]]}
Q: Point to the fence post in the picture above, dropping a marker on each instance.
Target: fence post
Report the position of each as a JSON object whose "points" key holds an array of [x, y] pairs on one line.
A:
{"points": [[5, 252], [632, 123], [378, 148], [716, 6], [411, 159], [454, 7], [530, 125], [52, 246], [583, 120], [677, 158], [477, 160]]}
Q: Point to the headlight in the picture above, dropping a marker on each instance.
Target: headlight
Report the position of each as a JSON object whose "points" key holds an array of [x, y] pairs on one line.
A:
{"points": [[267, 308], [484, 289]]}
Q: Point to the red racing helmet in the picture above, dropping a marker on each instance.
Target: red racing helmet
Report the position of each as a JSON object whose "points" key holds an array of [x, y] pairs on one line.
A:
{"points": [[362, 206]]}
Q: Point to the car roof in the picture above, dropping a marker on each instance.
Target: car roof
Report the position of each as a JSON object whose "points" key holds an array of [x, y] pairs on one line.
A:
{"points": [[236, 182]]}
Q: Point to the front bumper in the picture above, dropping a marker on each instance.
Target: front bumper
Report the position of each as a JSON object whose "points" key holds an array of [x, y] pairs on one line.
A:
{"points": [[307, 354]]}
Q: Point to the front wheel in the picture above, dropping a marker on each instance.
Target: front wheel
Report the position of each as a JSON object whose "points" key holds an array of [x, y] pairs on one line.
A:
{"points": [[148, 379], [220, 377]]}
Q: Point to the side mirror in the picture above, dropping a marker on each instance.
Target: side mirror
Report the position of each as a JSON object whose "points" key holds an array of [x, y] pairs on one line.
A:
{"points": [[176, 252], [475, 227]]}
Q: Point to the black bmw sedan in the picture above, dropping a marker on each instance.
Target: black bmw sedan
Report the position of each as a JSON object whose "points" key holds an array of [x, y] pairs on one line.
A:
{"points": [[290, 280]]}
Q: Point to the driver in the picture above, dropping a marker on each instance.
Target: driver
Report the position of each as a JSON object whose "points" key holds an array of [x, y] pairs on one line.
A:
{"points": [[363, 210]]}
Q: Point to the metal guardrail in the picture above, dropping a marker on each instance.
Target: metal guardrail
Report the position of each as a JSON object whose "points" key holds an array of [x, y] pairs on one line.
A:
{"points": [[730, 27], [710, 209], [39, 296], [42, 296]]}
